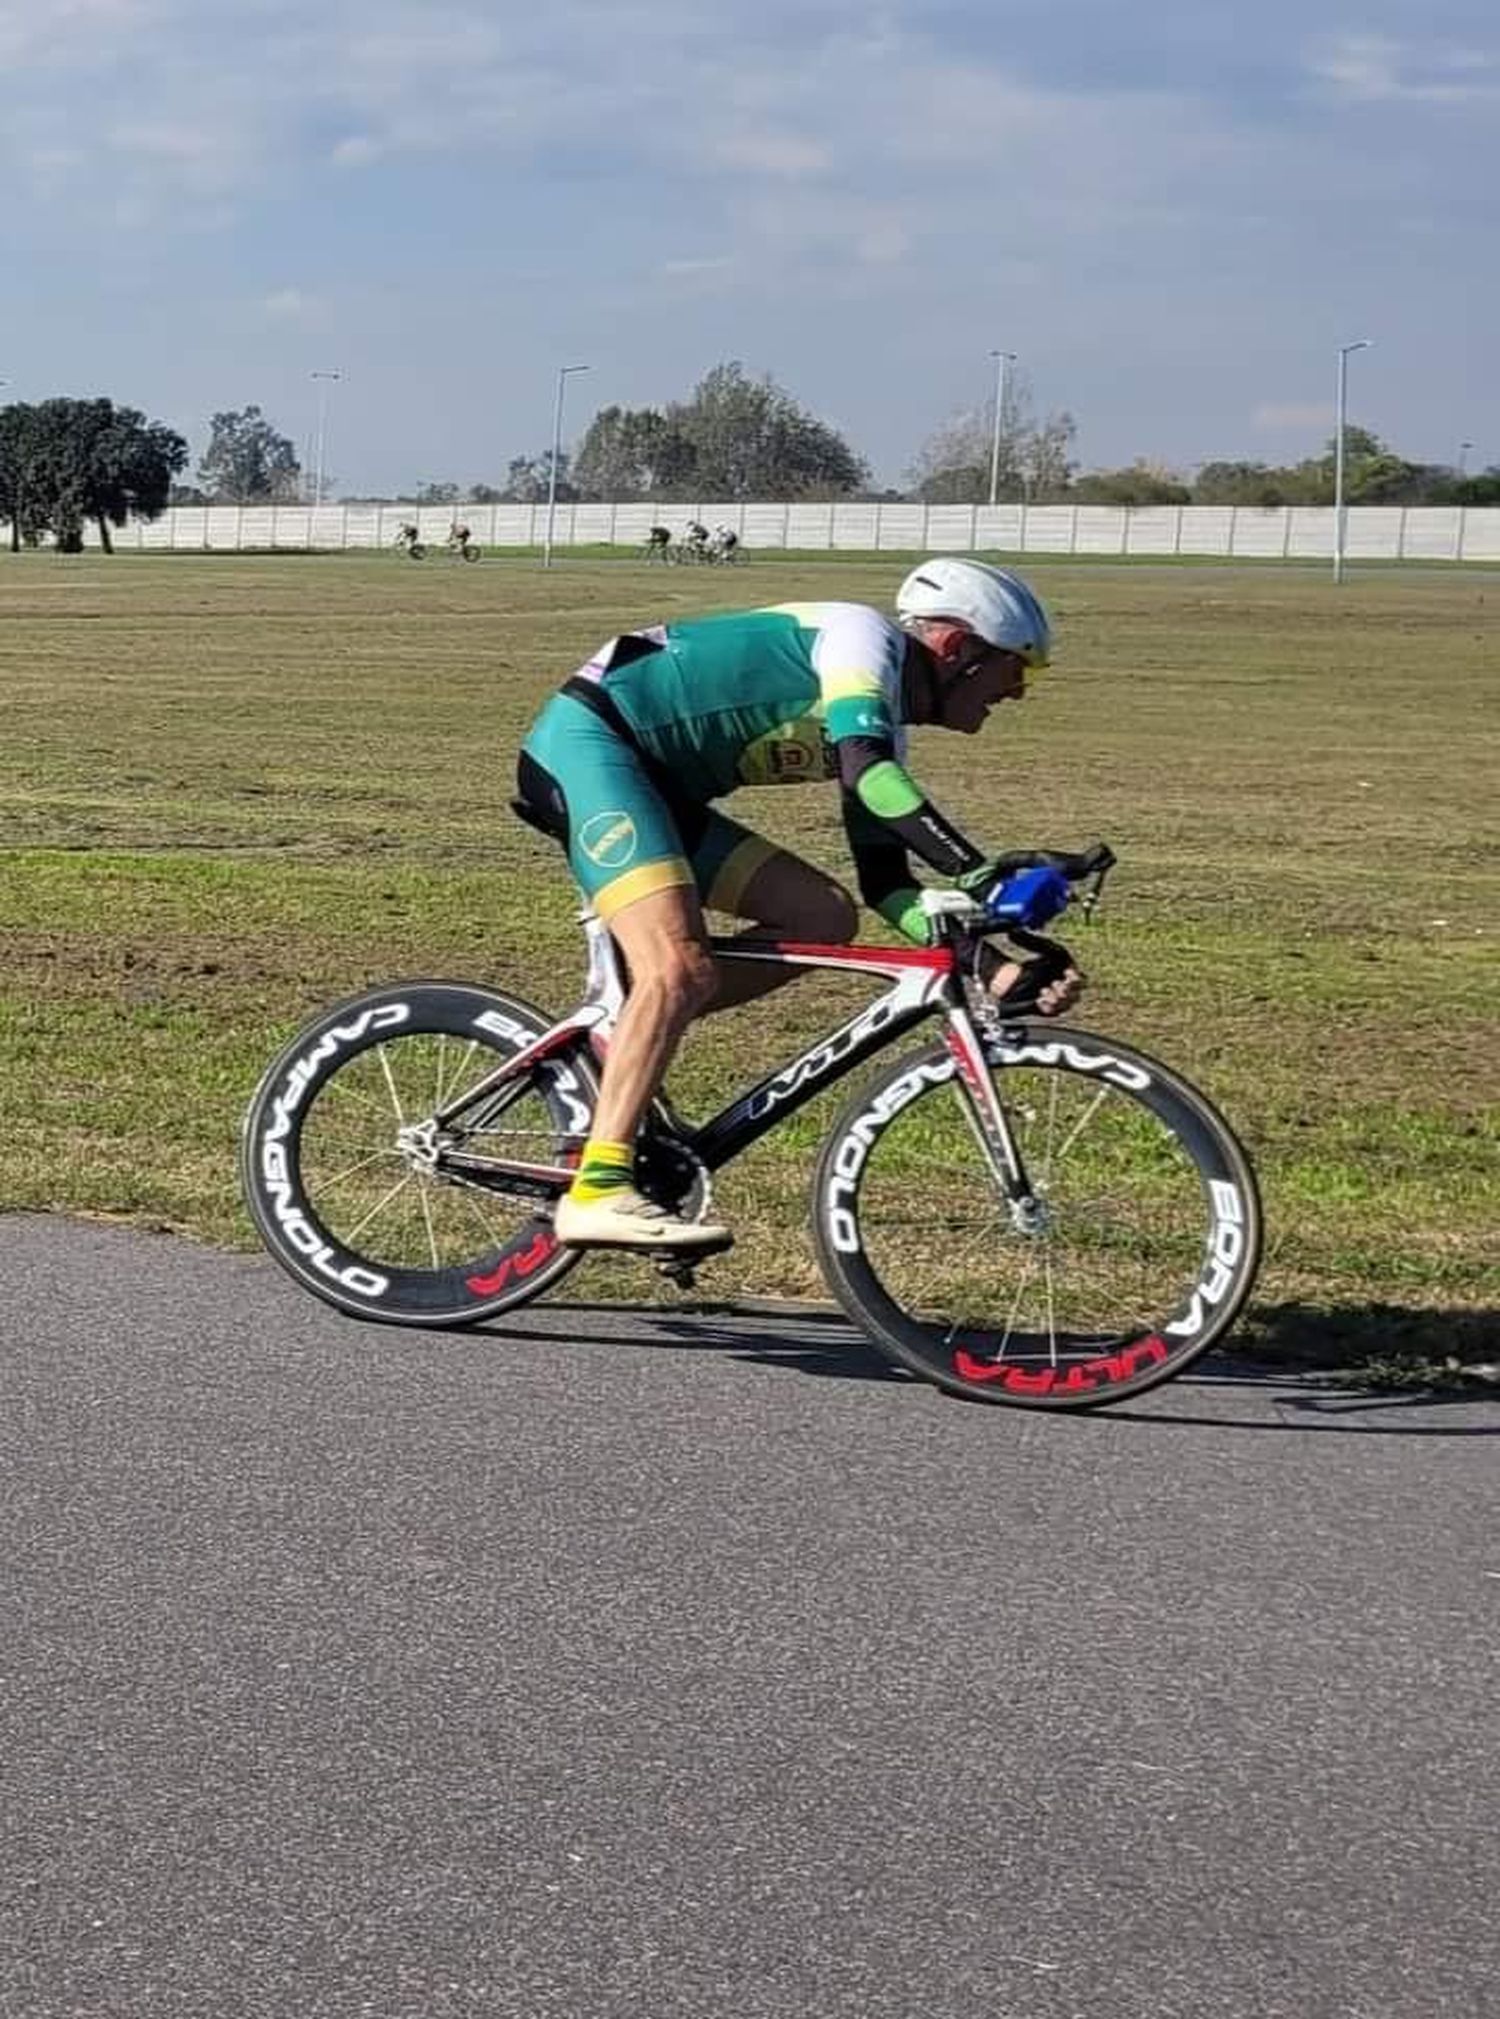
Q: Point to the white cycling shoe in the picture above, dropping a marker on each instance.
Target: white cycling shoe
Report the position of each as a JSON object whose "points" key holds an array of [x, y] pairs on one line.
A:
{"points": [[627, 1219]]}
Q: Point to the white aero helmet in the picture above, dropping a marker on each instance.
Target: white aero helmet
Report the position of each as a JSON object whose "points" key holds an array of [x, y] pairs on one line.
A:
{"points": [[991, 602]]}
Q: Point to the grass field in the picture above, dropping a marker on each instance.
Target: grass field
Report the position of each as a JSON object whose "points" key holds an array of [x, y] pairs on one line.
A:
{"points": [[234, 788]]}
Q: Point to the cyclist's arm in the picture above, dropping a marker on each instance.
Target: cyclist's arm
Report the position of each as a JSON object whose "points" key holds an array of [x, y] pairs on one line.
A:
{"points": [[858, 657], [883, 870], [870, 771]]}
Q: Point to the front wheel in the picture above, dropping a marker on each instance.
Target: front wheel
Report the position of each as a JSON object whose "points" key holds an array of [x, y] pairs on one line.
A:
{"points": [[368, 1204], [1133, 1253]]}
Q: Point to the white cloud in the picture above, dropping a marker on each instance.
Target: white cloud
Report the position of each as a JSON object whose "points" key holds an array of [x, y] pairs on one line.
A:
{"points": [[69, 33], [166, 140], [356, 150], [291, 305], [1165, 209], [788, 154], [1375, 69], [717, 263]]}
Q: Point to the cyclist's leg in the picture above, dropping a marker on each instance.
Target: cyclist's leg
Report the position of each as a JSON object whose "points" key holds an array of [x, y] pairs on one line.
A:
{"points": [[782, 896], [664, 942], [627, 854]]}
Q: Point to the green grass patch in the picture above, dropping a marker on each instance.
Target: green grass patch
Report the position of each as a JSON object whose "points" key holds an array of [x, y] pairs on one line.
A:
{"points": [[233, 790]]}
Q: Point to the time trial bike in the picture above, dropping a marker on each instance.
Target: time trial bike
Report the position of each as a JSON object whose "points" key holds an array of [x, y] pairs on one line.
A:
{"points": [[1022, 1212]]}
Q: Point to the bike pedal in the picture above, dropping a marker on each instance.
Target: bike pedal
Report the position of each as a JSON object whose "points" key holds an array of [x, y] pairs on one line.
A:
{"points": [[683, 1274]]}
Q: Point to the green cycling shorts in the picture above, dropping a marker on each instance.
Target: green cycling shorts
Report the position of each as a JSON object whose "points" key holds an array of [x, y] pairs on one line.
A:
{"points": [[625, 836]]}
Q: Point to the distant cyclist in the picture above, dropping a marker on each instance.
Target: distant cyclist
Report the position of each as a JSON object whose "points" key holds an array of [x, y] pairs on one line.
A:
{"points": [[658, 539], [695, 538], [724, 542], [458, 537], [623, 767]]}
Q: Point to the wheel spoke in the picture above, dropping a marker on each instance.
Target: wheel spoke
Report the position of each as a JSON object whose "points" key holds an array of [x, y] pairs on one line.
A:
{"points": [[1055, 1157], [1106, 1252], [380, 1205], [427, 1220], [459, 1072], [390, 1080], [342, 1177], [417, 1219]]}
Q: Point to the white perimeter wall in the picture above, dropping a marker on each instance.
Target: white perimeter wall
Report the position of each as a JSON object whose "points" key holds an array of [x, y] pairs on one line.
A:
{"points": [[1232, 532]]}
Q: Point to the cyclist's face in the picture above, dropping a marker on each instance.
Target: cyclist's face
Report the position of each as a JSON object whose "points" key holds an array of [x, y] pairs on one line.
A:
{"points": [[985, 676]]}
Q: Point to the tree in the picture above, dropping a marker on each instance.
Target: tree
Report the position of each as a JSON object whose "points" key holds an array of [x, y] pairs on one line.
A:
{"points": [[1240, 483], [1483, 489], [1046, 462], [633, 453], [1373, 475], [438, 494], [528, 478], [21, 475], [247, 462], [751, 439], [953, 466], [64, 462], [1140, 483], [734, 437]]}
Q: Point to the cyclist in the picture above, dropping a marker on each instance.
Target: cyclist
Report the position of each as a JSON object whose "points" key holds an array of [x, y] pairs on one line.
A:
{"points": [[407, 536], [658, 539], [623, 765], [458, 537], [724, 542], [695, 538]]}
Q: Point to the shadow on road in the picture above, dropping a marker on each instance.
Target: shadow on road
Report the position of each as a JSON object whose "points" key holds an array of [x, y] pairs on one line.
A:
{"points": [[1303, 1396], [812, 1344], [1293, 1402]]}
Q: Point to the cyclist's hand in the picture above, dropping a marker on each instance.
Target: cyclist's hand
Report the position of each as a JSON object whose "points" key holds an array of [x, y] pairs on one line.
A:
{"points": [[1001, 976]]}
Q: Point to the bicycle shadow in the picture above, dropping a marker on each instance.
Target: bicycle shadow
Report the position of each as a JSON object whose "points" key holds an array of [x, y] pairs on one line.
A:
{"points": [[822, 1344], [1300, 1367]]}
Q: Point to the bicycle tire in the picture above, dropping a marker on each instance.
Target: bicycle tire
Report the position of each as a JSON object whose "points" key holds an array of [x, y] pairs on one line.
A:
{"points": [[303, 1115], [469, 552], [416, 551], [1186, 1206]]}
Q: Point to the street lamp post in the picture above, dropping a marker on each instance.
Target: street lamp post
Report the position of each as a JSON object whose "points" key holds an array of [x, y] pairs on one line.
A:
{"points": [[1338, 455], [322, 378], [1463, 452], [564, 372], [1002, 359]]}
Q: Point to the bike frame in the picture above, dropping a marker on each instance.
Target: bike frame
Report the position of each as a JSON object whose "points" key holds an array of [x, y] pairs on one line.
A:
{"points": [[925, 982]]}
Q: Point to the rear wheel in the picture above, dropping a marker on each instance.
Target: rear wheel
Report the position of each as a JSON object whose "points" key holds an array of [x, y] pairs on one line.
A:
{"points": [[352, 1187], [1135, 1252]]}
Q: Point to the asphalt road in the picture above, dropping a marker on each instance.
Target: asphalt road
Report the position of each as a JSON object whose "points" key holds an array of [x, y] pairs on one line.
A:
{"points": [[606, 1665]]}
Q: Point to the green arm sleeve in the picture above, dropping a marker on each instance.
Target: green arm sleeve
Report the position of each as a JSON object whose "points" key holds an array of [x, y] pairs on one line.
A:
{"points": [[884, 872], [888, 791]]}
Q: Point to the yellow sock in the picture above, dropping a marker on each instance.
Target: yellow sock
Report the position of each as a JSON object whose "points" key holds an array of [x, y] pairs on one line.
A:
{"points": [[603, 1168]]}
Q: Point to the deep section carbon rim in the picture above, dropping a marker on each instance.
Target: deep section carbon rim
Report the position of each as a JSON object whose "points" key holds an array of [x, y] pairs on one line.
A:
{"points": [[351, 1186], [1140, 1251]]}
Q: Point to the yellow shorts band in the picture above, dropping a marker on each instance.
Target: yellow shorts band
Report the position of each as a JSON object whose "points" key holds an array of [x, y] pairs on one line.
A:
{"points": [[643, 882], [733, 876]]}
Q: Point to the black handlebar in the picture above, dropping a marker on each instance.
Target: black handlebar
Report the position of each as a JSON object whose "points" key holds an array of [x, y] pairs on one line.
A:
{"points": [[1094, 860]]}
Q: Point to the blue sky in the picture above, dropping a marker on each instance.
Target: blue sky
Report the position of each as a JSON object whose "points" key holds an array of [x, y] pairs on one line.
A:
{"points": [[1172, 211]]}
